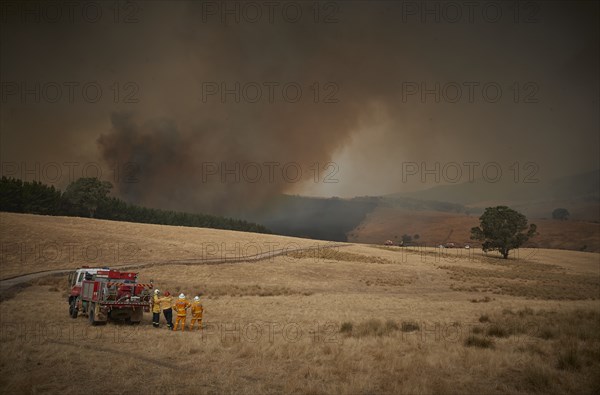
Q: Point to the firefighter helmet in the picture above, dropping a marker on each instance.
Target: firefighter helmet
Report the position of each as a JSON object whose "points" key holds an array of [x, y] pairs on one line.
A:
{"points": [[156, 291], [181, 296], [196, 299]]}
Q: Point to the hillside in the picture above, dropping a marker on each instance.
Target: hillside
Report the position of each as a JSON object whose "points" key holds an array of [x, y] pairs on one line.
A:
{"points": [[32, 243], [579, 193], [314, 218], [435, 227]]}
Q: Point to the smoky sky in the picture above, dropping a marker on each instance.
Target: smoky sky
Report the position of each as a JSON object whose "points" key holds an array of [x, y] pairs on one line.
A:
{"points": [[186, 88]]}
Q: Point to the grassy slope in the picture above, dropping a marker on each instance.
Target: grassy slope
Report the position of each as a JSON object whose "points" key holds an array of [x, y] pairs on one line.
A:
{"points": [[273, 326], [32, 243]]}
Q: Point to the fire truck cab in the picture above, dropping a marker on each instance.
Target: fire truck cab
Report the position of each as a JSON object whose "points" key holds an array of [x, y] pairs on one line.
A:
{"points": [[75, 280]]}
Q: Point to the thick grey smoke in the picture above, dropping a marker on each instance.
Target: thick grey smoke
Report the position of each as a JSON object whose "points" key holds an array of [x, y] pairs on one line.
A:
{"points": [[170, 103]]}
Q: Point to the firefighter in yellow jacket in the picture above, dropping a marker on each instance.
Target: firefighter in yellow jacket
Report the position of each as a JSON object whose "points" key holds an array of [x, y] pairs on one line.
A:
{"points": [[166, 306], [181, 307], [156, 308], [197, 310]]}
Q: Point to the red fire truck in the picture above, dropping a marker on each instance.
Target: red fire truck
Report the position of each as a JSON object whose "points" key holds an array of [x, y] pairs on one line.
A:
{"points": [[104, 294]]}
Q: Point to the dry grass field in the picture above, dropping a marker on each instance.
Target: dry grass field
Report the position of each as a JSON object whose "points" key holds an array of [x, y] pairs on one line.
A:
{"points": [[32, 243], [358, 319]]}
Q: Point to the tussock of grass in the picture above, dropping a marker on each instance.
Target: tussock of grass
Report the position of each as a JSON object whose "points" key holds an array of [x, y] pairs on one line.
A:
{"points": [[478, 341], [410, 326], [546, 333], [525, 312], [568, 358], [372, 327], [391, 326], [346, 327], [497, 331], [534, 378], [533, 349], [484, 318], [487, 299]]}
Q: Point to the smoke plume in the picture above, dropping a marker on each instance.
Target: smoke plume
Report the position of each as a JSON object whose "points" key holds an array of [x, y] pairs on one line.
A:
{"points": [[215, 112]]}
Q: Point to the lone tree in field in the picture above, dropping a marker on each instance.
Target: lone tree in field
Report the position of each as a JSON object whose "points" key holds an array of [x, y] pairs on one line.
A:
{"points": [[406, 239], [502, 229], [87, 194], [560, 214]]}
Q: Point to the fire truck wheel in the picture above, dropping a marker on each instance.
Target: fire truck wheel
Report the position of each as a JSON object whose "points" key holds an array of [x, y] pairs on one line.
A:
{"points": [[91, 314], [73, 309]]}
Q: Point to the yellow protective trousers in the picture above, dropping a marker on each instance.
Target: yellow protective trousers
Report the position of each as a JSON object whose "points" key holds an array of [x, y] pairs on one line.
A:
{"points": [[198, 319], [180, 320]]}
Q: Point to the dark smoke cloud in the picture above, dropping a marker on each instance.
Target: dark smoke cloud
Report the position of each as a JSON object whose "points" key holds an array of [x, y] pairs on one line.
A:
{"points": [[369, 132]]}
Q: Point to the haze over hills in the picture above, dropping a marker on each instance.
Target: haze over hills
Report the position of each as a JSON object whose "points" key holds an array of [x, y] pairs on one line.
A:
{"points": [[444, 213], [579, 193]]}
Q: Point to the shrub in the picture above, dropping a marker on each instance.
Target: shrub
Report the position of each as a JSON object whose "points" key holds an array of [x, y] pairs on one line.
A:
{"points": [[410, 327], [546, 334], [391, 326], [477, 330], [535, 378], [484, 318], [525, 311], [568, 359], [346, 327], [497, 331], [477, 341]]}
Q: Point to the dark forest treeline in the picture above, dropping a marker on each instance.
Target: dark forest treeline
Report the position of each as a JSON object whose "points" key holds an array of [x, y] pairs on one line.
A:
{"points": [[19, 196]]}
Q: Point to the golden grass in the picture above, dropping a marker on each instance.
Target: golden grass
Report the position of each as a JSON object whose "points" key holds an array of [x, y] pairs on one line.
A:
{"points": [[337, 255], [312, 325], [32, 243]]}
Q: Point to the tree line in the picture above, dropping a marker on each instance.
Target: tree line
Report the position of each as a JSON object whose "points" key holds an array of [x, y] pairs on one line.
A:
{"points": [[89, 197]]}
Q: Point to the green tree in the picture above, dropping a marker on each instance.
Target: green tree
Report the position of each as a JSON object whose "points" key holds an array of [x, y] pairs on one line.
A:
{"points": [[502, 229], [87, 194], [561, 214], [406, 239], [11, 195]]}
